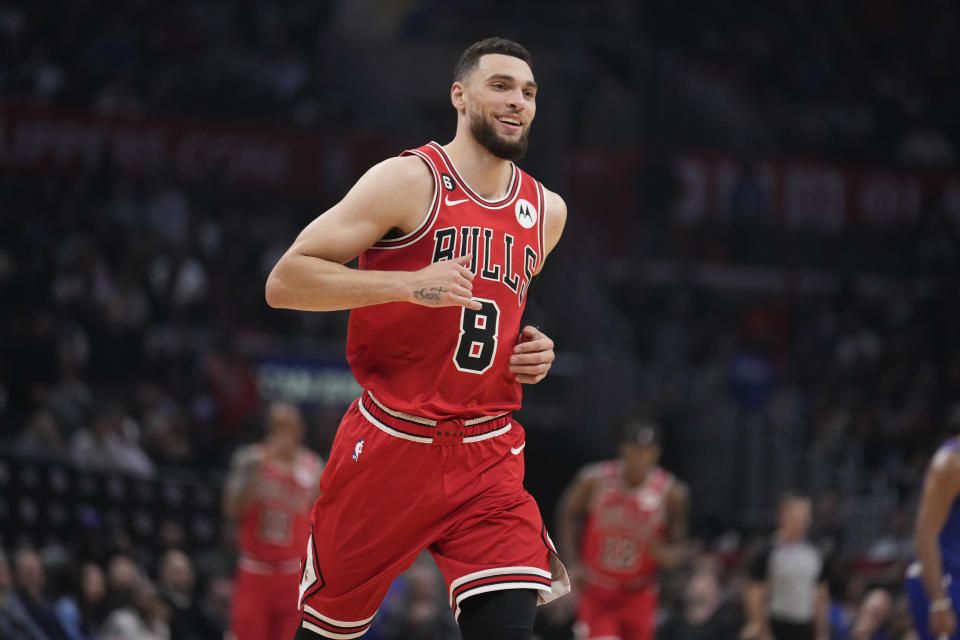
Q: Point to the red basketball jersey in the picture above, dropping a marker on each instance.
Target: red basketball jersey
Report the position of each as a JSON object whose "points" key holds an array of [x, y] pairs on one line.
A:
{"points": [[275, 527], [452, 361], [621, 523]]}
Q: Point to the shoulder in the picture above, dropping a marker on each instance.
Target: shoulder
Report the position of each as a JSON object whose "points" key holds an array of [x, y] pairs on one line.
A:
{"points": [[759, 560], [679, 492], [246, 455], [593, 475], [945, 467], [399, 175], [310, 459]]}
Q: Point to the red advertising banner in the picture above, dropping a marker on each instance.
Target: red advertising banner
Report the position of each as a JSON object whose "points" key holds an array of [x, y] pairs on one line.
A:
{"points": [[64, 140], [809, 195]]}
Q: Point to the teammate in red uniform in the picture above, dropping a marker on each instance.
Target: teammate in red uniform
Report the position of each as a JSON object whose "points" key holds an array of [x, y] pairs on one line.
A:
{"points": [[271, 488], [633, 516], [449, 238]]}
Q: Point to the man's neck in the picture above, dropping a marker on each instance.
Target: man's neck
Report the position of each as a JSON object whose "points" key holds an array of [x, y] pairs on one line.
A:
{"points": [[486, 174]]}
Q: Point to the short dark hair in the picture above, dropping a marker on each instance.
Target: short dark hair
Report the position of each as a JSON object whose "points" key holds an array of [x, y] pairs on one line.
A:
{"points": [[470, 58], [789, 497], [640, 430]]}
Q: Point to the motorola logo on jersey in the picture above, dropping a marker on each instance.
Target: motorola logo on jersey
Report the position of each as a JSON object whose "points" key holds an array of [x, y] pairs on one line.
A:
{"points": [[448, 182], [495, 260], [526, 214]]}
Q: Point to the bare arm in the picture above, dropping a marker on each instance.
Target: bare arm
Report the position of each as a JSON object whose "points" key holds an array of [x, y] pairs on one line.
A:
{"points": [[533, 354], [755, 610], [573, 508], [671, 551], [393, 195], [939, 491], [821, 612], [241, 489], [555, 218]]}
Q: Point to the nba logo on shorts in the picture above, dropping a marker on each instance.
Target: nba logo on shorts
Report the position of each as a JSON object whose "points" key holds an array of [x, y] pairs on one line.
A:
{"points": [[357, 450]]}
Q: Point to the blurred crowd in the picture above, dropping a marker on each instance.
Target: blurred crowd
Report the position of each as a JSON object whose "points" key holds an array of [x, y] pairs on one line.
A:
{"points": [[133, 305], [856, 81], [108, 591]]}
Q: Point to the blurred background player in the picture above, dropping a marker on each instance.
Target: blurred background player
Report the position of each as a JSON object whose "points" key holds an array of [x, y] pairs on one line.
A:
{"points": [[787, 596], [933, 593], [623, 520], [269, 493]]}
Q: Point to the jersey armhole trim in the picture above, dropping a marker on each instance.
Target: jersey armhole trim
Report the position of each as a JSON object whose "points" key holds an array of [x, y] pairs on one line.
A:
{"points": [[428, 220], [542, 222]]}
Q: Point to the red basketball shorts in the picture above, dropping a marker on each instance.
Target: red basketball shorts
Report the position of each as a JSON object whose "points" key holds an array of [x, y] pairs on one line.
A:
{"points": [[609, 614], [263, 606], [394, 486]]}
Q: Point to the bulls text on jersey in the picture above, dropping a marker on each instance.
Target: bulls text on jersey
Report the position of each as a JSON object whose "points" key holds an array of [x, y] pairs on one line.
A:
{"points": [[503, 271]]}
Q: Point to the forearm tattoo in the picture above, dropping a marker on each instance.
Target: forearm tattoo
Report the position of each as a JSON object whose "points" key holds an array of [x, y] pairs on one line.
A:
{"points": [[429, 293]]}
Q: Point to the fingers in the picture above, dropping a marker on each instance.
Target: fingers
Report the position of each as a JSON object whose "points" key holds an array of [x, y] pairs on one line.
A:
{"points": [[470, 303], [544, 356], [532, 356], [532, 339], [531, 369], [526, 378], [464, 262]]}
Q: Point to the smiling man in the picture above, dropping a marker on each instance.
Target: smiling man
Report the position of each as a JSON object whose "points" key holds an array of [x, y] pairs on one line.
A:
{"points": [[449, 238]]}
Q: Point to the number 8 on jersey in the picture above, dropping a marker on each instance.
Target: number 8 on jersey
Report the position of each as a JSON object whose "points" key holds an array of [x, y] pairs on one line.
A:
{"points": [[477, 344]]}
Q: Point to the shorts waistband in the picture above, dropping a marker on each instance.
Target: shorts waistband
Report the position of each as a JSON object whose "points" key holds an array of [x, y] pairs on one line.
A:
{"points": [[248, 564], [430, 431]]}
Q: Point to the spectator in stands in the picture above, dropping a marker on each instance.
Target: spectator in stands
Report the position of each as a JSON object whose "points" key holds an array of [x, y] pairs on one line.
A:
{"points": [[146, 618], [30, 580], [109, 445], [15, 620], [704, 615], [216, 604], [123, 577], [420, 611], [873, 617], [41, 436], [81, 605], [176, 582]]}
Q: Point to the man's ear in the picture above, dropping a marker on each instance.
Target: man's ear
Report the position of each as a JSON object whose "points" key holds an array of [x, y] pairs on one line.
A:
{"points": [[456, 96]]}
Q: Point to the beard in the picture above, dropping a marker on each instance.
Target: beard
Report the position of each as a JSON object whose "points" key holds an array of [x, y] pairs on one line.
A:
{"points": [[486, 135]]}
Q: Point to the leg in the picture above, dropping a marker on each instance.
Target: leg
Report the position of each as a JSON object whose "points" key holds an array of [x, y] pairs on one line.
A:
{"points": [[249, 619], [506, 615], [639, 615], [285, 615], [373, 517], [599, 613]]}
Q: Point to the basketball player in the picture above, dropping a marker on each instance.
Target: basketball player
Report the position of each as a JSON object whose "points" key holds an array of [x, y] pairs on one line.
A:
{"points": [[269, 493], [449, 238], [933, 582], [624, 519]]}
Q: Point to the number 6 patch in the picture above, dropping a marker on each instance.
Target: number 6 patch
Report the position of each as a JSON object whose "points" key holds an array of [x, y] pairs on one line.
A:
{"points": [[478, 337]]}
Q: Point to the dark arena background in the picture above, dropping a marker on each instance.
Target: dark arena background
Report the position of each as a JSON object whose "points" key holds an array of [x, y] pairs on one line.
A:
{"points": [[761, 252]]}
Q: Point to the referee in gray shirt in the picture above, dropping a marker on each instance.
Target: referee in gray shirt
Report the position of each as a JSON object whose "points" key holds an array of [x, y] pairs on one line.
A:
{"points": [[787, 598]]}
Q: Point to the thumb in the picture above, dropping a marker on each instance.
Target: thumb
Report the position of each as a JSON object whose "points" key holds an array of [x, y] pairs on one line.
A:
{"points": [[529, 332], [464, 260]]}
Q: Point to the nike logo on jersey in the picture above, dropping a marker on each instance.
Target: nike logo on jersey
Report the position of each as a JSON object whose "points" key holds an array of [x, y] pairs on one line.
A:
{"points": [[517, 450], [450, 202]]}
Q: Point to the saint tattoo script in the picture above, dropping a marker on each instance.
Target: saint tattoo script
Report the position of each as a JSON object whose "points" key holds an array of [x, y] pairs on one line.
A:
{"points": [[429, 293]]}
